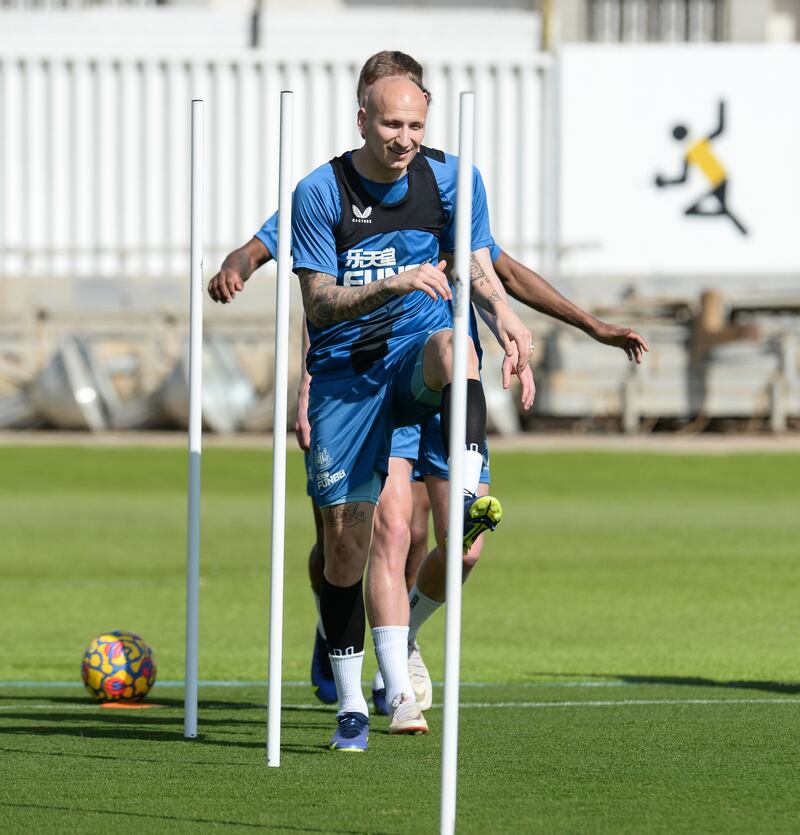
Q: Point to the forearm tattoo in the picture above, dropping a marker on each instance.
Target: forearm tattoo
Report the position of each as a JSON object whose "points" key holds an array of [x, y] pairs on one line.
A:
{"points": [[326, 303], [344, 515], [481, 284]]}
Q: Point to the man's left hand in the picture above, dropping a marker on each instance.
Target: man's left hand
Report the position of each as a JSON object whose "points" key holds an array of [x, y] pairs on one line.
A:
{"points": [[515, 337], [525, 379]]}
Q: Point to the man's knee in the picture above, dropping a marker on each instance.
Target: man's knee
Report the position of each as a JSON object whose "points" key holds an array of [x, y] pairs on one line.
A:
{"points": [[344, 561], [438, 359], [391, 539], [341, 550], [440, 344]]}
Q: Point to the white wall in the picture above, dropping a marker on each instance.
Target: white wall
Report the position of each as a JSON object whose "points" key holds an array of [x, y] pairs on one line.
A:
{"points": [[294, 31], [124, 30], [619, 106], [430, 35]]}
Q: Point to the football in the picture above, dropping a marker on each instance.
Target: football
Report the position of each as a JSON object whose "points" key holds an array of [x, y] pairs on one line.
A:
{"points": [[118, 666]]}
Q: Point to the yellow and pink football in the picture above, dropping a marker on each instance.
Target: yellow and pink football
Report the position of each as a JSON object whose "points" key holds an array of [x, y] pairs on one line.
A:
{"points": [[118, 666]]}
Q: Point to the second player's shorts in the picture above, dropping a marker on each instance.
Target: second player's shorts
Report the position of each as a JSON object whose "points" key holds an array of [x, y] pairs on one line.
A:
{"points": [[405, 442], [352, 420], [432, 458]]}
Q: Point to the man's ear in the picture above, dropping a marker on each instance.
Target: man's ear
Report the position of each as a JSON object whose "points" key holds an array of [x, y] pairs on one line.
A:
{"points": [[361, 122]]}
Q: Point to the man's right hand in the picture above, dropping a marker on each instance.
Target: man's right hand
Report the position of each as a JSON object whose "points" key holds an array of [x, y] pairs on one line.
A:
{"points": [[237, 267], [225, 285], [426, 277]]}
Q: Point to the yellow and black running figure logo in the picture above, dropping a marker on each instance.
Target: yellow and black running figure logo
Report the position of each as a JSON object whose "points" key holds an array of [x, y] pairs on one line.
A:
{"points": [[700, 154]]}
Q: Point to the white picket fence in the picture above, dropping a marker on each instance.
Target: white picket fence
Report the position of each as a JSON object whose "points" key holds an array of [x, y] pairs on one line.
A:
{"points": [[94, 153]]}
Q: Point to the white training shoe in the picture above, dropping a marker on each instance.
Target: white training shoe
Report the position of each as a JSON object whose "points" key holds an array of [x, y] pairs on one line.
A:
{"points": [[407, 718], [420, 677]]}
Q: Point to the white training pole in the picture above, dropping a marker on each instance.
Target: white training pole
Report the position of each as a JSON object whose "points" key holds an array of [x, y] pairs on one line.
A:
{"points": [[279, 432], [195, 424], [457, 429]]}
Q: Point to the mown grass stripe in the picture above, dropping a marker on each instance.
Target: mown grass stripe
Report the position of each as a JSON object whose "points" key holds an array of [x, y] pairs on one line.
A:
{"points": [[465, 705]]}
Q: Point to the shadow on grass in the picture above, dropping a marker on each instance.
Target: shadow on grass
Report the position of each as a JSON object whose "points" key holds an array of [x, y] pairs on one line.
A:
{"points": [[273, 826], [95, 722], [126, 758], [176, 704], [106, 727], [784, 687]]}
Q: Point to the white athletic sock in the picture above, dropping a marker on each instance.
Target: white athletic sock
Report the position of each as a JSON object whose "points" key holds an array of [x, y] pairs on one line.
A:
{"points": [[347, 674], [473, 464], [422, 607], [377, 681], [320, 627], [391, 647]]}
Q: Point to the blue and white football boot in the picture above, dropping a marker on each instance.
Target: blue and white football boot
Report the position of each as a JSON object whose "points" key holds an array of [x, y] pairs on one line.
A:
{"points": [[352, 733], [379, 699], [322, 673]]}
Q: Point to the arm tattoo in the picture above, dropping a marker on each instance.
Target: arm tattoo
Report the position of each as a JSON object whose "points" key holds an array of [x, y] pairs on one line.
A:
{"points": [[326, 303], [481, 284], [476, 271]]}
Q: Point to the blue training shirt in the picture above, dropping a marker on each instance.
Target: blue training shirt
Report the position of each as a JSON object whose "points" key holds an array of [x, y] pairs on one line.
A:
{"points": [[317, 212], [268, 235]]}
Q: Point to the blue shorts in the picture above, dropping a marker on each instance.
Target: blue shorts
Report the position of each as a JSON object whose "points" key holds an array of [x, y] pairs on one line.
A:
{"points": [[405, 442], [432, 458], [352, 420], [424, 445]]}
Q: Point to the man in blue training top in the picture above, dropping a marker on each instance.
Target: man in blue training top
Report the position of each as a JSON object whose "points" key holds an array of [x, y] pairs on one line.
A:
{"points": [[386, 601], [393, 518], [367, 229]]}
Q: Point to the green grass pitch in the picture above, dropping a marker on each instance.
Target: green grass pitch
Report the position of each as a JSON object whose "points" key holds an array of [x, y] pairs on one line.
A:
{"points": [[631, 653]]}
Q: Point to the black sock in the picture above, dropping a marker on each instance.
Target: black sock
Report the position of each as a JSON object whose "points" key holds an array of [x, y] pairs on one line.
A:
{"points": [[476, 416], [342, 611]]}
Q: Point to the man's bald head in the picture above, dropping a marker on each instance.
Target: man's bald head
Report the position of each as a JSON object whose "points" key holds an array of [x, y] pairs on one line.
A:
{"points": [[393, 92]]}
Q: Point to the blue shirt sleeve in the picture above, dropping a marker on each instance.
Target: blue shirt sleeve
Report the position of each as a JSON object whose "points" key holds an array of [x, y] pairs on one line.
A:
{"points": [[494, 250], [481, 232], [315, 213], [268, 235]]}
